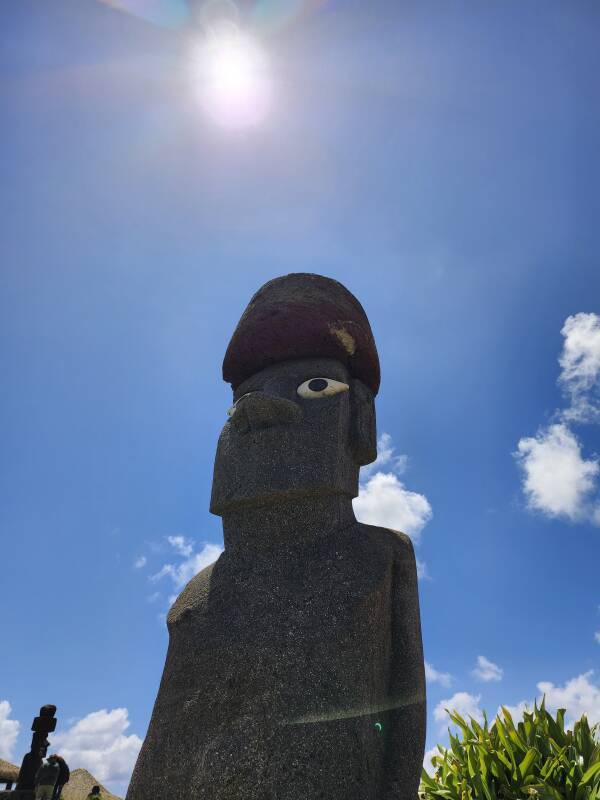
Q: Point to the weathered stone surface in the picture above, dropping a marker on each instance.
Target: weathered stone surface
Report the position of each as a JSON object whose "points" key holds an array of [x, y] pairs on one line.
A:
{"points": [[295, 665]]}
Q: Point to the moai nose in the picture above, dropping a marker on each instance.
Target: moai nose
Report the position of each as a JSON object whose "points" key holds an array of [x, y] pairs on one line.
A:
{"points": [[257, 410]]}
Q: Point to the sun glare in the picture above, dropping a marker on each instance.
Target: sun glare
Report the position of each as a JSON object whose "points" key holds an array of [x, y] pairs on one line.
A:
{"points": [[233, 78]]}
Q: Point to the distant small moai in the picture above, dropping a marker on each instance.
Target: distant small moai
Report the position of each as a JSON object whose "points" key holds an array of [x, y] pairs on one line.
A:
{"points": [[41, 726], [295, 664]]}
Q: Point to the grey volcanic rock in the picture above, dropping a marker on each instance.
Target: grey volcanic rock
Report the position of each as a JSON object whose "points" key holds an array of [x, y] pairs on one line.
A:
{"points": [[295, 665]]}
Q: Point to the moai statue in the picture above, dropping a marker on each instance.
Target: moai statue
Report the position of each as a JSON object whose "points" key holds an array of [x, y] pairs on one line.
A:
{"points": [[41, 727], [295, 665]]}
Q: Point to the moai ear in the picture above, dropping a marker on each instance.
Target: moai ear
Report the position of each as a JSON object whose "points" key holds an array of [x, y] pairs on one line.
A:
{"points": [[363, 436]]}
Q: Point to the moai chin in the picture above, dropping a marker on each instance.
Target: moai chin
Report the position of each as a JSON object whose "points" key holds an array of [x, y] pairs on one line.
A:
{"points": [[295, 664]]}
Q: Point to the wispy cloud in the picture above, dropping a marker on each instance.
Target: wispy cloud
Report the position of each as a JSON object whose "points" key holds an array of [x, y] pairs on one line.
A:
{"points": [[486, 670], [9, 730], [580, 365], [558, 480], [139, 562], [432, 675], [422, 573], [192, 562], [385, 458], [181, 545]]}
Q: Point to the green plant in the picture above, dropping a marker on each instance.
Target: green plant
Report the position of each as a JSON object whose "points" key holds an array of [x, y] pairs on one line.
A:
{"points": [[536, 760]]}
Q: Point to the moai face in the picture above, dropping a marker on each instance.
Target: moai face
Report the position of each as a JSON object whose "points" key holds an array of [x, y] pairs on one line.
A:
{"points": [[304, 369], [298, 428]]}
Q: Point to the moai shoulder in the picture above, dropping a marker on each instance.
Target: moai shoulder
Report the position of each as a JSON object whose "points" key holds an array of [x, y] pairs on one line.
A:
{"points": [[193, 597]]}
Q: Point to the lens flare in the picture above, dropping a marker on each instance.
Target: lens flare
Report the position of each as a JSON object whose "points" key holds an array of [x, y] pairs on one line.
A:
{"points": [[164, 13], [264, 16], [271, 16], [233, 77], [401, 701]]}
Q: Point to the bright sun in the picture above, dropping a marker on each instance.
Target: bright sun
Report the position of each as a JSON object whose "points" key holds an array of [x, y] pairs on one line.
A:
{"points": [[233, 77]]}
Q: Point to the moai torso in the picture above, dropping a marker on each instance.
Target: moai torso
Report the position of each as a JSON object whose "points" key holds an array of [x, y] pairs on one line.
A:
{"points": [[282, 670]]}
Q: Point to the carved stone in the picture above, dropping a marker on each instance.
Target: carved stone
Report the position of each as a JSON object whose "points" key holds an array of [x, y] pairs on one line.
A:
{"points": [[295, 665], [41, 726]]}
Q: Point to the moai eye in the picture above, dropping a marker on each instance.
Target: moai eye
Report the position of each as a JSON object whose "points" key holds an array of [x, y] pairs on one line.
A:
{"points": [[321, 387]]}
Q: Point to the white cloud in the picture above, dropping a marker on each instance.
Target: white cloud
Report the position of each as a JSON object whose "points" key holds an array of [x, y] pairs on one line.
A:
{"points": [[9, 730], [181, 545], [486, 670], [579, 696], [516, 712], [597, 636], [427, 765], [422, 570], [139, 562], [580, 363], [432, 675], [183, 572], [466, 704], [386, 502], [557, 479], [99, 744]]}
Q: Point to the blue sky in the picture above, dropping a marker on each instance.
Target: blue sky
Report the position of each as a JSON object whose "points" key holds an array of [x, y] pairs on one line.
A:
{"points": [[441, 160]]}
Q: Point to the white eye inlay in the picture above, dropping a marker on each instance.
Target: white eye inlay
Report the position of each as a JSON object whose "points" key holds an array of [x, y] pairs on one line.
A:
{"points": [[321, 387]]}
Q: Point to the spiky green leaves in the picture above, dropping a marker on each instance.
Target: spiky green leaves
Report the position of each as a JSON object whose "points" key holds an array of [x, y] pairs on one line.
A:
{"points": [[534, 760]]}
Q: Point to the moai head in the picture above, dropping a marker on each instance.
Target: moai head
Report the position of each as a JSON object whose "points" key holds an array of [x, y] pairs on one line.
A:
{"points": [[304, 370]]}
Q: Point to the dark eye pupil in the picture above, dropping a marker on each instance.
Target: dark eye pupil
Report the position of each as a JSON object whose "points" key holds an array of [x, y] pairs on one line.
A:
{"points": [[317, 384]]}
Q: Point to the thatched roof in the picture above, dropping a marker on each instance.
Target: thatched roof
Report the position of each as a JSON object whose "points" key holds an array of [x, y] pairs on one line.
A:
{"points": [[8, 772], [80, 785]]}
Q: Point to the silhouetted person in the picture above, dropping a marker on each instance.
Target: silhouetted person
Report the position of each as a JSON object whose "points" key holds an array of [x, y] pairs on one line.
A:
{"points": [[63, 776], [45, 779]]}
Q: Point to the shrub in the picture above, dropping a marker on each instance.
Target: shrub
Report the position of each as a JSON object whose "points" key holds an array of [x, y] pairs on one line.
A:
{"points": [[536, 760]]}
